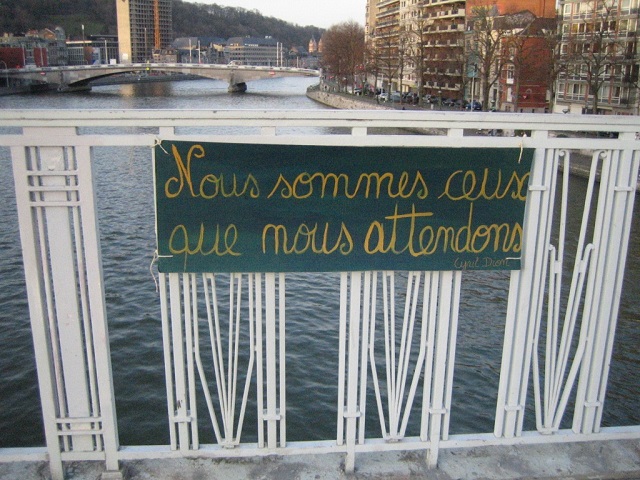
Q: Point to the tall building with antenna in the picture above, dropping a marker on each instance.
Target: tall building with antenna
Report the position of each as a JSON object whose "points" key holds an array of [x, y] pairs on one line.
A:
{"points": [[143, 26]]}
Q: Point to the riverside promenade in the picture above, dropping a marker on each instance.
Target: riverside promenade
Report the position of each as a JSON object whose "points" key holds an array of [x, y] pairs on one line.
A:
{"points": [[580, 165]]}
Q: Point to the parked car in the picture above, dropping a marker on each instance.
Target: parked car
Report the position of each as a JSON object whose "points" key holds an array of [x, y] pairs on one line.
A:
{"points": [[410, 97], [396, 97], [475, 105], [383, 97]]}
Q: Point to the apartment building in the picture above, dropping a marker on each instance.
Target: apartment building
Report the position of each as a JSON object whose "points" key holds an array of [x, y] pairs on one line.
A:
{"points": [[384, 40], [143, 26], [417, 45], [599, 53], [509, 53], [443, 25]]}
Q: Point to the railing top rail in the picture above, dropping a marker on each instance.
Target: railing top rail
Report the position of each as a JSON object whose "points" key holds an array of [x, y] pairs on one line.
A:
{"points": [[334, 118]]}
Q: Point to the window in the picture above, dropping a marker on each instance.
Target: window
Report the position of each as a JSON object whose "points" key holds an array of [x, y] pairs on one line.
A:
{"points": [[510, 72], [585, 7]]}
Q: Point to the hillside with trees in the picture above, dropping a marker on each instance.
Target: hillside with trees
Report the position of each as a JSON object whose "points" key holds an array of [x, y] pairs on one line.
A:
{"points": [[189, 20]]}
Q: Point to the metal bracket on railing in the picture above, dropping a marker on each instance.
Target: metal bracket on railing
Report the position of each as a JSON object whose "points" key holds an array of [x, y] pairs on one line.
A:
{"points": [[438, 411], [182, 419], [624, 189], [514, 408], [356, 414], [267, 416]]}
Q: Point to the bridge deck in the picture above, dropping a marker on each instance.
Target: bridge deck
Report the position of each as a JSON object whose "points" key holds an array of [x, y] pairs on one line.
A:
{"points": [[82, 75], [605, 460]]}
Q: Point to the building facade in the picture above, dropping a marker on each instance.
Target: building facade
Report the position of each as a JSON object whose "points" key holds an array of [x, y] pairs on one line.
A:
{"points": [[144, 26], [254, 51], [508, 52], [383, 36], [526, 77], [442, 23], [599, 50], [93, 50], [23, 50], [417, 46]]}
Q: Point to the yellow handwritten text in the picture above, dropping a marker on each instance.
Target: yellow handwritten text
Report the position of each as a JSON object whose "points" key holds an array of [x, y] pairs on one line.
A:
{"points": [[181, 244], [210, 185], [471, 186], [419, 239], [307, 238], [368, 185]]}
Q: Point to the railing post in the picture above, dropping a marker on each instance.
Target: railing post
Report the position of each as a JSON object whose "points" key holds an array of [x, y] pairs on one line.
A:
{"points": [[271, 364], [61, 252], [525, 296], [610, 238], [441, 304], [350, 412]]}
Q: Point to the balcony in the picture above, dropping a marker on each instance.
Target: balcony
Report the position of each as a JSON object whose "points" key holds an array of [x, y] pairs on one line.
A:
{"points": [[386, 13]]}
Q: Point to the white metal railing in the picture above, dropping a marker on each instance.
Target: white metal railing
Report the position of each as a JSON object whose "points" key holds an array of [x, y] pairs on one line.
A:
{"points": [[401, 358]]}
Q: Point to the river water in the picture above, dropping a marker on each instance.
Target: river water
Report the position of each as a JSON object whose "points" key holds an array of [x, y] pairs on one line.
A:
{"points": [[125, 200]]}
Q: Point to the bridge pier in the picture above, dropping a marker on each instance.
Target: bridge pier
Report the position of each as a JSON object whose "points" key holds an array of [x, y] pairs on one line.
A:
{"points": [[239, 87], [73, 88]]}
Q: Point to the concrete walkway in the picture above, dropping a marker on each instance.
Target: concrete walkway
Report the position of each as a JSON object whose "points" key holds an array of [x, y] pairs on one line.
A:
{"points": [[578, 461]]}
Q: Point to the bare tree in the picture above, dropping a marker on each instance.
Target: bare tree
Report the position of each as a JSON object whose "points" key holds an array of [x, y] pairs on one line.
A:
{"points": [[403, 57], [386, 56], [484, 46], [343, 51], [557, 64], [596, 51], [416, 31]]}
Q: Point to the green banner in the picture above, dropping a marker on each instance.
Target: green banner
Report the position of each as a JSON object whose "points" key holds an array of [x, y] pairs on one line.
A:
{"points": [[297, 208]]}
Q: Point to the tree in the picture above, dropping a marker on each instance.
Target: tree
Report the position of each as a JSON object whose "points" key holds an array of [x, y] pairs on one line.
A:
{"points": [[557, 64], [484, 41], [528, 57], [386, 53], [595, 50], [416, 51], [403, 54], [343, 50]]}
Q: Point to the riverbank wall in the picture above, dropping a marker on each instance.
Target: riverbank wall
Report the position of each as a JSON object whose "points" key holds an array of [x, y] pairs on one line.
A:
{"points": [[343, 101]]}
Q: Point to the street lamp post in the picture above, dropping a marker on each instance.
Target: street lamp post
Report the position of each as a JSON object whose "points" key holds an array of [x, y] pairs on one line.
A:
{"points": [[6, 72]]}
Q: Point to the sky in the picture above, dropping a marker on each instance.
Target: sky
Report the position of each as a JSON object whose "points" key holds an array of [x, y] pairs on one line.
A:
{"points": [[319, 13]]}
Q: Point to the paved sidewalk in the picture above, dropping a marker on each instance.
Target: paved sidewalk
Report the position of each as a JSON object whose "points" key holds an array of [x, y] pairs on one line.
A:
{"points": [[577, 461]]}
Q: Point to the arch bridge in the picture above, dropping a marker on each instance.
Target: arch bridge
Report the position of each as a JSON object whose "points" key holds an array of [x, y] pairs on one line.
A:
{"points": [[72, 78]]}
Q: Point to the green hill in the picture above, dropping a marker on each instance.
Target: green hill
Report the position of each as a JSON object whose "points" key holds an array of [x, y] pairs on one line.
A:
{"points": [[189, 20]]}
